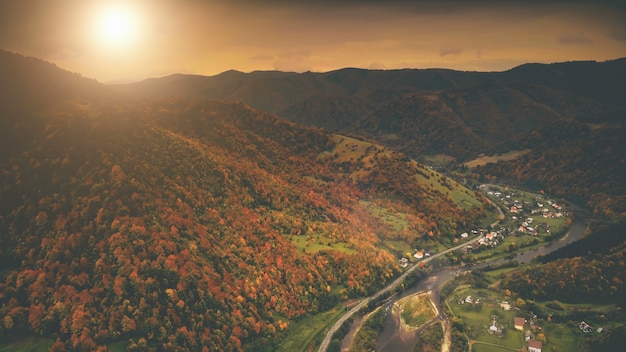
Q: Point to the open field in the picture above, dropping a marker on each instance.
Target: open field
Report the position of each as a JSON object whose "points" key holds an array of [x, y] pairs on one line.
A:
{"points": [[33, 344], [394, 219], [303, 332], [483, 347], [561, 337], [458, 193], [355, 151], [317, 242], [484, 160]]}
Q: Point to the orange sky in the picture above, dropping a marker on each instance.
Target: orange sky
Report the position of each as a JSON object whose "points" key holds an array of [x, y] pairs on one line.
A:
{"points": [[208, 37]]}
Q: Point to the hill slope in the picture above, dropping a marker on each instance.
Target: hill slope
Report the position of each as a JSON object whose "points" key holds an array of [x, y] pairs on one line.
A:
{"points": [[459, 115], [183, 224]]}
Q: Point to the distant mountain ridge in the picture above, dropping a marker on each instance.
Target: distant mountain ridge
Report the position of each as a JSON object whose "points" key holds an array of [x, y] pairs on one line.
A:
{"points": [[28, 86], [29, 83], [457, 114], [491, 108], [599, 80]]}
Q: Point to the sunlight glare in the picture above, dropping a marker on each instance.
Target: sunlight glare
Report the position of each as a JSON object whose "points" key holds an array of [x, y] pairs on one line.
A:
{"points": [[117, 25]]}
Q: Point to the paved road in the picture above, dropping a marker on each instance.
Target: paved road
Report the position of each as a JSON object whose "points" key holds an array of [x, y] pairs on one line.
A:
{"points": [[324, 345]]}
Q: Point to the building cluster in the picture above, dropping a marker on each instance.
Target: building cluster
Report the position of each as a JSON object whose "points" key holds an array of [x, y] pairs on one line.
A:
{"points": [[419, 254], [529, 333], [489, 239]]}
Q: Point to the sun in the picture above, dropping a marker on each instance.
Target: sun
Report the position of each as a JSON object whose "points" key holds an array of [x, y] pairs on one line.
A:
{"points": [[117, 25]]}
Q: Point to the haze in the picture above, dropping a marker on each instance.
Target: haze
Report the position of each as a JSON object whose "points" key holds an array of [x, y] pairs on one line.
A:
{"points": [[208, 37]]}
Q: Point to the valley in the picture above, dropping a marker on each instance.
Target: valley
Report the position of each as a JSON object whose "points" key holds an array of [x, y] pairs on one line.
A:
{"points": [[261, 211]]}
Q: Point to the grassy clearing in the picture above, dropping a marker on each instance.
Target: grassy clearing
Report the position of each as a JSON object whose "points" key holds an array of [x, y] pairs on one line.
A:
{"points": [[483, 347], [316, 242], [400, 248], [355, 151], [458, 193], [32, 344], [359, 152], [438, 159], [119, 346], [496, 274], [303, 332], [484, 160], [397, 221], [416, 310], [561, 337]]}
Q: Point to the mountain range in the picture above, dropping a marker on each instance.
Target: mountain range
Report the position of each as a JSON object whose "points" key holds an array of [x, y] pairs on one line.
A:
{"points": [[456, 115], [187, 211]]}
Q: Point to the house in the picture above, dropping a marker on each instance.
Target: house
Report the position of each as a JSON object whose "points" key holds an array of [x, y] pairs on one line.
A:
{"points": [[584, 327], [534, 346], [505, 305], [519, 323], [493, 329], [403, 262], [419, 255], [469, 299], [464, 235]]}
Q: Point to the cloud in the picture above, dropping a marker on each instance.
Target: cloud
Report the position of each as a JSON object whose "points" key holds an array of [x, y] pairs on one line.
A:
{"points": [[450, 50], [574, 38]]}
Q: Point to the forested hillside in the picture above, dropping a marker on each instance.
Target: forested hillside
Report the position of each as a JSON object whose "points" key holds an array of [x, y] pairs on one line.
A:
{"points": [[572, 159], [457, 115], [189, 224]]}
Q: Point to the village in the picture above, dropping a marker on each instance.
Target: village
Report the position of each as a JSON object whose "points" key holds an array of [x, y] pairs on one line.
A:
{"points": [[501, 321], [526, 215], [505, 317], [493, 317]]}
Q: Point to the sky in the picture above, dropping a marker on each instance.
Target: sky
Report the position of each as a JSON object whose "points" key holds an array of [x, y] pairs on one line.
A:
{"points": [[124, 41]]}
